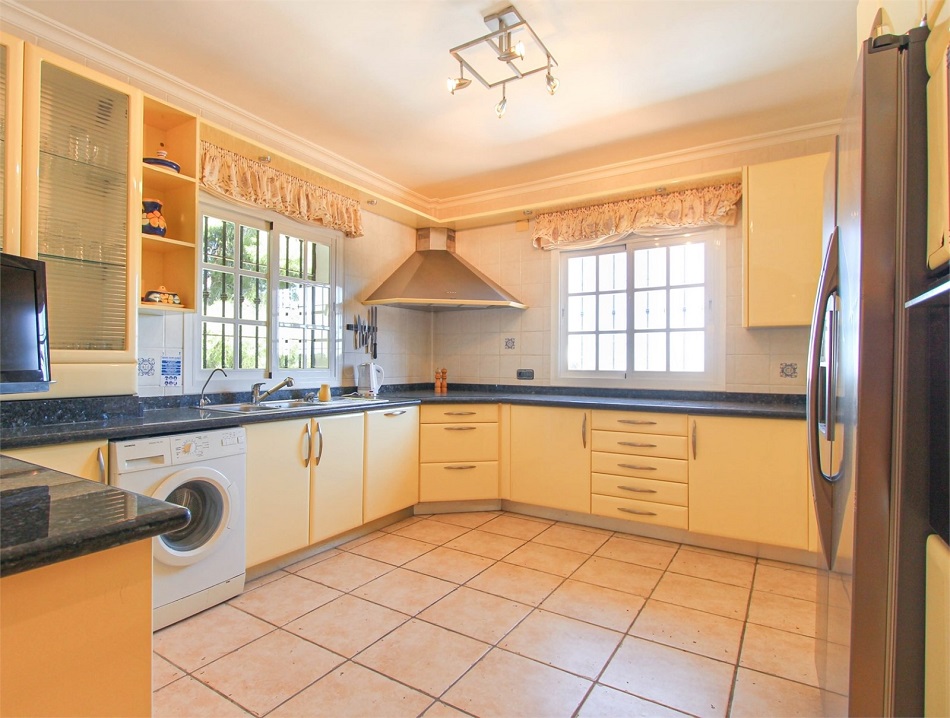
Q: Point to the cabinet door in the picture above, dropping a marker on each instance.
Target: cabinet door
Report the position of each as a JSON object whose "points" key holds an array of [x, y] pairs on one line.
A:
{"points": [[278, 489], [783, 239], [938, 142], [336, 489], [86, 459], [11, 135], [391, 471], [748, 479], [550, 457]]}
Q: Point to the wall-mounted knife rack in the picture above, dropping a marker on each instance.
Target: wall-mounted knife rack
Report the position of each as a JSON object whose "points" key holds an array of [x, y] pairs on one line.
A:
{"points": [[364, 332]]}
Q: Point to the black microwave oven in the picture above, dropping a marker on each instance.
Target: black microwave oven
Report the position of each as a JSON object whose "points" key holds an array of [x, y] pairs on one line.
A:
{"points": [[24, 326]]}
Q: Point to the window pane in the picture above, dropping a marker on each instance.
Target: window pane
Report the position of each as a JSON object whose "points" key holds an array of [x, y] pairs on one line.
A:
{"points": [[218, 242], [291, 257], [254, 299], [649, 268], [581, 274], [253, 249], [613, 312], [581, 352], [217, 345], [613, 352], [687, 351], [649, 309], [613, 272], [253, 346], [217, 294], [290, 298], [687, 308], [581, 313], [687, 264], [649, 352]]}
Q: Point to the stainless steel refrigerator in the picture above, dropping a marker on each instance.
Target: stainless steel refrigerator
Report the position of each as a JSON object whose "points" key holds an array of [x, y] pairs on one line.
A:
{"points": [[870, 411]]}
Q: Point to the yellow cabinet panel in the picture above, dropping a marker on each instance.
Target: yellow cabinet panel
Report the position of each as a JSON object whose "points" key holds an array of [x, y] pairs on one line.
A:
{"points": [[87, 459], [662, 492], [671, 447], [391, 455], [458, 481], [458, 442], [643, 511], [647, 467], [938, 141], [640, 422], [454, 413], [336, 488], [11, 135]]}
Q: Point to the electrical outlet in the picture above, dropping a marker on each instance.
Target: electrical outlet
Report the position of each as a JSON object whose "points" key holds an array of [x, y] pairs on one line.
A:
{"points": [[525, 373]]}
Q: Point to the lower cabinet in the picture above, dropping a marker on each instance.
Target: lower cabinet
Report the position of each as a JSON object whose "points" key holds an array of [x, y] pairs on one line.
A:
{"points": [[748, 479], [336, 485], [550, 457], [391, 456], [458, 452], [86, 459]]}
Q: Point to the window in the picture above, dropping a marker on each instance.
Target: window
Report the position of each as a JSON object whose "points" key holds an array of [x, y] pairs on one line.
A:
{"points": [[645, 313], [267, 295]]}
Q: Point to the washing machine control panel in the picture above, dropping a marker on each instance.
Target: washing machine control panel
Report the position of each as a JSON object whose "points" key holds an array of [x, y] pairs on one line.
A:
{"points": [[187, 448]]}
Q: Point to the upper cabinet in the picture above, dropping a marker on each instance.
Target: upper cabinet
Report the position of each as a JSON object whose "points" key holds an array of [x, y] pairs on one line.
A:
{"points": [[938, 139], [782, 240], [11, 130]]}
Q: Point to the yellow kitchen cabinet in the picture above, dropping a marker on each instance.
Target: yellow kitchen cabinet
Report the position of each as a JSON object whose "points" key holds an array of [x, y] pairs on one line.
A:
{"points": [[550, 457], [87, 459], [11, 136], [748, 480], [391, 461], [458, 452], [938, 138], [782, 240], [336, 488]]}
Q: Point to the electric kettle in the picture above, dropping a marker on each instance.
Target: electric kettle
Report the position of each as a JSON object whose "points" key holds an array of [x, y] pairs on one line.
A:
{"points": [[369, 379]]}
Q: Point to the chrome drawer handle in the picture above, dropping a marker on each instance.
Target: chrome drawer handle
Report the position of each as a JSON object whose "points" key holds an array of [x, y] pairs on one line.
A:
{"points": [[395, 413], [460, 468], [634, 511], [637, 444], [460, 428], [634, 488], [639, 422], [637, 468], [459, 413]]}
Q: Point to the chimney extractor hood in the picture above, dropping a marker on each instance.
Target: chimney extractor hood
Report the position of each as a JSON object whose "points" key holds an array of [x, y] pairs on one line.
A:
{"points": [[435, 278]]}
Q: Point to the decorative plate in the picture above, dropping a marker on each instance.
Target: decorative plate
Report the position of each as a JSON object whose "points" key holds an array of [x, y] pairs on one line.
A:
{"points": [[162, 163]]}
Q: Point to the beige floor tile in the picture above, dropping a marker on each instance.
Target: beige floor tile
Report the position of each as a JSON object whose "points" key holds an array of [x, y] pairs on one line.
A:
{"points": [[360, 540], [604, 702], [490, 545], [703, 595], [516, 582], [757, 694], [477, 614], [639, 552], [562, 642], [401, 524], [346, 571], [581, 527], [468, 519], [787, 655], [441, 710], [188, 697], [198, 640], [695, 631], [550, 559], [405, 591], [352, 691], [163, 672], [311, 560], [264, 580], [503, 684], [684, 681], [514, 526], [393, 549], [783, 612], [575, 539], [434, 532], [284, 600], [618, 575], [712, 567], [787, 582], [594, 604], [347, 625], [785, 565], [721, 554], [263, 674], [426, 657], [449, 564]]}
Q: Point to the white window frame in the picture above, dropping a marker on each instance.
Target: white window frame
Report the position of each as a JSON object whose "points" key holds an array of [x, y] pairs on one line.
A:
{"points": [[712, 378], [276, 225]]}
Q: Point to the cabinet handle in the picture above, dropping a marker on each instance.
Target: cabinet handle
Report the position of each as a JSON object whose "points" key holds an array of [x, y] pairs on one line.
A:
{"points": [[584, 431], [101, 461], [459, 413], [641, 422], [395, 413], [638, 444], [306, 462], [635, 489], [316, 460], [694, 439], [460, 428], [635, 467], [634, 511], [459, 467]]}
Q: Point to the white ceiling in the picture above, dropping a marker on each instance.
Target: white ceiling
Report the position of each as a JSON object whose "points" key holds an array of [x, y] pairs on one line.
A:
{"points": [[365, 79]]}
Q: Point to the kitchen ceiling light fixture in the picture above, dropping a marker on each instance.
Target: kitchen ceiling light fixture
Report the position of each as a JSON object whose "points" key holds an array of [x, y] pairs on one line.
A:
{"points": [[512, 42]]}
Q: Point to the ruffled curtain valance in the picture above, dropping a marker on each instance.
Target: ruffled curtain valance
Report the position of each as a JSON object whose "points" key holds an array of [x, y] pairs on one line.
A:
{"points": [[252, 182], [606, 223]]}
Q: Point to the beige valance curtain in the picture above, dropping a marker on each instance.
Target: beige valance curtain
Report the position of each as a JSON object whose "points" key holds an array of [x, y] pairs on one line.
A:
{"points": [[606, 223], [255, 183]]}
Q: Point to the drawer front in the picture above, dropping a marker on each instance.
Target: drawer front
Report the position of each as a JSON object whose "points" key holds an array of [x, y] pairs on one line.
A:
{"points": [[662, 492], [458, 481], [641, 422], [455, 413], [642, 511], [647, 467], [670, 447], [458, 442]]}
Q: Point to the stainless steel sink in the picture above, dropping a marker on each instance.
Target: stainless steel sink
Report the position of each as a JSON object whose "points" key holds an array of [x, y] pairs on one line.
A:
{"points": [[289, 405]]}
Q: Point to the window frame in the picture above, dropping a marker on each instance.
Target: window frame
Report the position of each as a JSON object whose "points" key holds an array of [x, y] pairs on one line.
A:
{"points": [[713, 377]]}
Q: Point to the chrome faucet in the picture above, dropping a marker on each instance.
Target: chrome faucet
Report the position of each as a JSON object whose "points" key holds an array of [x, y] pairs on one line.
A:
{"points": [[258, 396], [204, 401]]}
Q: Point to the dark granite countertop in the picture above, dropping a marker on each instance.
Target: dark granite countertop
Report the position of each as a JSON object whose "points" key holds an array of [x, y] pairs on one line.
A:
{"points": [[47, 516]]}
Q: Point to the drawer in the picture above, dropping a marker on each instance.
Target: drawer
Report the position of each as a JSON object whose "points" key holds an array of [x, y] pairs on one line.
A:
{"points": [[455, 413], [458, 442], [647, 467], [642, 511], [617, 442], [640, 421], [662, 492], [458, 481]]}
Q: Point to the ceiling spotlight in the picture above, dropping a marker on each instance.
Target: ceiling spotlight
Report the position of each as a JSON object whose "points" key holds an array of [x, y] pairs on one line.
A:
{"points": [[507, 52], [550, 80], [500, 107], [460, 82]]}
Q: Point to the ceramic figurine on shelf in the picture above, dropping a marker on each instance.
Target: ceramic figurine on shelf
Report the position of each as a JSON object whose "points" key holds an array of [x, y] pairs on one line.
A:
{"points": [[152, 220]]}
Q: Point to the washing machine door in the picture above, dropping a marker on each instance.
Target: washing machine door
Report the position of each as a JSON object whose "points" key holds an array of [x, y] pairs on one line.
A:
{"points": [[213, 502]]}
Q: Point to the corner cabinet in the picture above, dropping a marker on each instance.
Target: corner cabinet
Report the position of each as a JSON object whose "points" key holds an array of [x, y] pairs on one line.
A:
{"points": [[459, 451], [86, 459], [391, 461]]}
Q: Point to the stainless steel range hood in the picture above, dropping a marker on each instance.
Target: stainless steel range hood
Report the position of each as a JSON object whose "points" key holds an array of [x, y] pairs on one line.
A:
{"points": [[434, 278]]}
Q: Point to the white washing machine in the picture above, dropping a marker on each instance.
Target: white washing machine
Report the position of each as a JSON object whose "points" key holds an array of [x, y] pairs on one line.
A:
{"points": [[201, 564]]}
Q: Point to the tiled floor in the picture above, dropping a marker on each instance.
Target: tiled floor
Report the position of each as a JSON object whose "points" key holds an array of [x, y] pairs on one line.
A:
{"points": [[496, 614]]}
